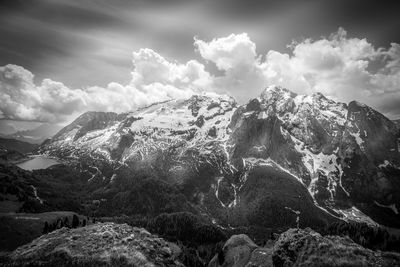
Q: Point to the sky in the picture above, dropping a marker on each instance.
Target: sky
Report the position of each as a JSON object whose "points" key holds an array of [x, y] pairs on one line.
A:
{"points": [[59, 58]]}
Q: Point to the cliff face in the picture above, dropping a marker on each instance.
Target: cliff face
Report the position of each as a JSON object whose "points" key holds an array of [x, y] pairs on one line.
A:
{"points": [[102, 244]]}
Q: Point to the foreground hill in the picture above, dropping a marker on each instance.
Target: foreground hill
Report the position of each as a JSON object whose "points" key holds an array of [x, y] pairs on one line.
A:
{"points": [[281, 160], [101, 244]]}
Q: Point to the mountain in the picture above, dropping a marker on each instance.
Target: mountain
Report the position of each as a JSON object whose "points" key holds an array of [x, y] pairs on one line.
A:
{"points": [[36, 135], [8, 127], [280, 160]]}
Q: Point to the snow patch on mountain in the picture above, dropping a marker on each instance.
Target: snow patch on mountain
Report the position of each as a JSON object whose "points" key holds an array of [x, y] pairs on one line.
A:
{"points": [[251, 162], [217, 191], [297, 213], [354, 214], [327, 164], [358, 138], [35, 194]]}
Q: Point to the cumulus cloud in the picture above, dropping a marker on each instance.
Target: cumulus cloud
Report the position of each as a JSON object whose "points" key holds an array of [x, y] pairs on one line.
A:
{"points": [[345, 69], [228, 52], [338, 66], [153, 79]]}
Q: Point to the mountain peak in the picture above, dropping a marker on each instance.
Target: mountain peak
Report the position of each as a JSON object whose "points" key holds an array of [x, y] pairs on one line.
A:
{"points": [[319, 95], [276, 91], [357, 104], [213, 96]]}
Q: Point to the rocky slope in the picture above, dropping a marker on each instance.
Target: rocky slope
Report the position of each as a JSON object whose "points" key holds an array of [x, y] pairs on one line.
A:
{"points": [[280, 160], [102, 244], [301, 247]]}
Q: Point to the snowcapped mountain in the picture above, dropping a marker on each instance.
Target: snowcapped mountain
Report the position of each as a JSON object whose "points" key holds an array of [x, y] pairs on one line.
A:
{"points": [[343, 154], [138, 136], [279, 159]]}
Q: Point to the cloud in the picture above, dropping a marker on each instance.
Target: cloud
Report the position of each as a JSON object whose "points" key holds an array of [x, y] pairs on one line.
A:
{"points": [[338, 66], [228, 52], [236, 57], [153, 79], [151, 68]]}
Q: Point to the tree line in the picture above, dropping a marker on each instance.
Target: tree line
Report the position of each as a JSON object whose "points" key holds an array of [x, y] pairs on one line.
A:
{"points": [[60, 223], [372, 237]]}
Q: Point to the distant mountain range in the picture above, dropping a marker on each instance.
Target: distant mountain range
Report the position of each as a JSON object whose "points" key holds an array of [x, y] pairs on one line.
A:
{"points": [[35, 135]]}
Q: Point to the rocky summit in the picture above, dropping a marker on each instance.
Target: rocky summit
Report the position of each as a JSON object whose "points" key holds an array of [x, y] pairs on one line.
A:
{"points": [[101, 244]]}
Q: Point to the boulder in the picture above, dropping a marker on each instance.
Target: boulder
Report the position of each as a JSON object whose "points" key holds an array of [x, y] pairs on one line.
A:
{"points": [[240, 251]]}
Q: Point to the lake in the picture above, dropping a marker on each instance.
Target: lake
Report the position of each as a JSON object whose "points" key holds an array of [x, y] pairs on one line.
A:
{"points": [[37, 162]]}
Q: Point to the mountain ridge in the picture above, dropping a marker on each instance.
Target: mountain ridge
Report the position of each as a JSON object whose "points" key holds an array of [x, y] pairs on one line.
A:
{"points": [[344, 155]]}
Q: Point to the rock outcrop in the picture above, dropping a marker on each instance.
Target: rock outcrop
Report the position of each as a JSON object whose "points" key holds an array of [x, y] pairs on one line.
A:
{"points": [[305, 247], [102, 244], [240, 251], [300, 247]]}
